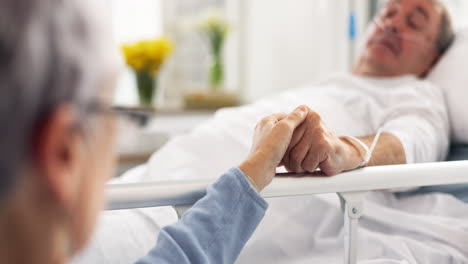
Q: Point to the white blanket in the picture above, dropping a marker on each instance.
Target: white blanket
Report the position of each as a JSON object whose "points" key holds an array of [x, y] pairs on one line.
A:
{"points": [[424, 229]]}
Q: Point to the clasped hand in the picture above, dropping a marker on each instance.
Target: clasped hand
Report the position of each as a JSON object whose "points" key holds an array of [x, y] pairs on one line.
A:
{"points": [[302, 143]]}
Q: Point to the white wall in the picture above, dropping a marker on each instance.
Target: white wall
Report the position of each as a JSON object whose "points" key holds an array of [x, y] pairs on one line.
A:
{"points": [[133, 21], [291, 43], [274, 45]]}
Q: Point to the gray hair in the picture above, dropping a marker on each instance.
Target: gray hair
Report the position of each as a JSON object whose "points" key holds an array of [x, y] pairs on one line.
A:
{"points": [[51, 52], [446, 31]]}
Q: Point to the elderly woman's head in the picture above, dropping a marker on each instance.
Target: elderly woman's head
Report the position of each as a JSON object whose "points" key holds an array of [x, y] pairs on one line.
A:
{"points": [[56, 78]]}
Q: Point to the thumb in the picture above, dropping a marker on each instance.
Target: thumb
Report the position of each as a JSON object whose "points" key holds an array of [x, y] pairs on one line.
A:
{"points": [[296, 117]]}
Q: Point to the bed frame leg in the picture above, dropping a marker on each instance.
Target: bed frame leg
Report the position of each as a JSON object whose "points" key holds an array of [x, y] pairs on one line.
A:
{"points": [[352, 206]]}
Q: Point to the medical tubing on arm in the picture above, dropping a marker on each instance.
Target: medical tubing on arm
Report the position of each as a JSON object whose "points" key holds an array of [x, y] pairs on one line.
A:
{"points": [[367, 157]]}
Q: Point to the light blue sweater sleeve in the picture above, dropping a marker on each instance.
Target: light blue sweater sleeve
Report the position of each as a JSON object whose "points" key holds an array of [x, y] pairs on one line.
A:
{"points": [[216, 228]]}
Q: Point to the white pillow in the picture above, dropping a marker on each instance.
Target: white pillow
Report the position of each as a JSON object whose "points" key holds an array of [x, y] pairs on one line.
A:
{"points": [[451, 73]]}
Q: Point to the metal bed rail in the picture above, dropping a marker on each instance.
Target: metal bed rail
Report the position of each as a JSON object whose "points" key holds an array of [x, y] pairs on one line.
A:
{"points": [[351, 188], [164, 193]]}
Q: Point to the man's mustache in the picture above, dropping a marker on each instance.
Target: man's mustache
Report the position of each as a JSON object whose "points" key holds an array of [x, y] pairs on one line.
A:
{"points": [[397, 39], [393, 41]]}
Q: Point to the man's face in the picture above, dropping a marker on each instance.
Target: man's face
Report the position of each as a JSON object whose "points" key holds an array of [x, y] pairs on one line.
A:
{"points": [[402, 39]]}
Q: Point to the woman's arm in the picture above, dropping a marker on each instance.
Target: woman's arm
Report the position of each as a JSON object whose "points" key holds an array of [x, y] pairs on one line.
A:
{"points": [[217, 227]]}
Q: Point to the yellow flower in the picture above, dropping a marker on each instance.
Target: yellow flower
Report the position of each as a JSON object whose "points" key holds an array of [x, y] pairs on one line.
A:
{"points": [[213, 20], [147, 55]]}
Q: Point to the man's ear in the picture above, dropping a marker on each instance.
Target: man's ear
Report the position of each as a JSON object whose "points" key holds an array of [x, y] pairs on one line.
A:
{"points": [[57, 154]]}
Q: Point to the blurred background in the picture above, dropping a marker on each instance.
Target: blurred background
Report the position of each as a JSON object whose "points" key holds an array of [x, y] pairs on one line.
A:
{"points": [[209, 54]]}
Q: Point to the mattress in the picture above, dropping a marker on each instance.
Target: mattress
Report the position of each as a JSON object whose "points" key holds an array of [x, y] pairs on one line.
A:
{"points": [[460, 191]]}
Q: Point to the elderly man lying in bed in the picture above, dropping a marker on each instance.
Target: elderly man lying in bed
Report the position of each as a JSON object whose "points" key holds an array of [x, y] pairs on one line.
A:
{"points": [[386, 92]]}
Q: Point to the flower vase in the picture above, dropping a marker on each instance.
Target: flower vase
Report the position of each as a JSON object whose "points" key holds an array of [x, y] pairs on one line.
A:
{"points": [[217, 73], [146, 84]]}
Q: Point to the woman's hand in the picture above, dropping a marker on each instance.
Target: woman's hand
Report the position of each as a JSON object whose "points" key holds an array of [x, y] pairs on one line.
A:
{"points": [[271, 140]]}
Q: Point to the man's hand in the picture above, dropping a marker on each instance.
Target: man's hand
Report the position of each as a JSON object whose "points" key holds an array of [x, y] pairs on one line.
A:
{"points": [[314, 146], [271, 140]]}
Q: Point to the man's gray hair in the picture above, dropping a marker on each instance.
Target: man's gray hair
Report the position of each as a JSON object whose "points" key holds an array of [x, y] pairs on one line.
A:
{"points": [[446, 31], [51, 52]]}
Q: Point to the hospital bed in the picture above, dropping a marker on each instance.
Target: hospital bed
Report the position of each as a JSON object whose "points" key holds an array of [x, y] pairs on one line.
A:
{"points": [[450, 176], [351, 187]]}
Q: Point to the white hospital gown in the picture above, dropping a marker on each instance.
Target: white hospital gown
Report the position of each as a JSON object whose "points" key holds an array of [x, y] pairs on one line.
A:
{"points": [[407, 107]]}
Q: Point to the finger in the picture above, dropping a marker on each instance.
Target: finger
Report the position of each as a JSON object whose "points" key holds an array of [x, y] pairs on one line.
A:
{"points": [[271, 119], [297, 156], [285, 161], [294, 121], [328, 167], [298, 134], [296, 138], [302, 149], [296, 117], [311, 161], [279, 116]]}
